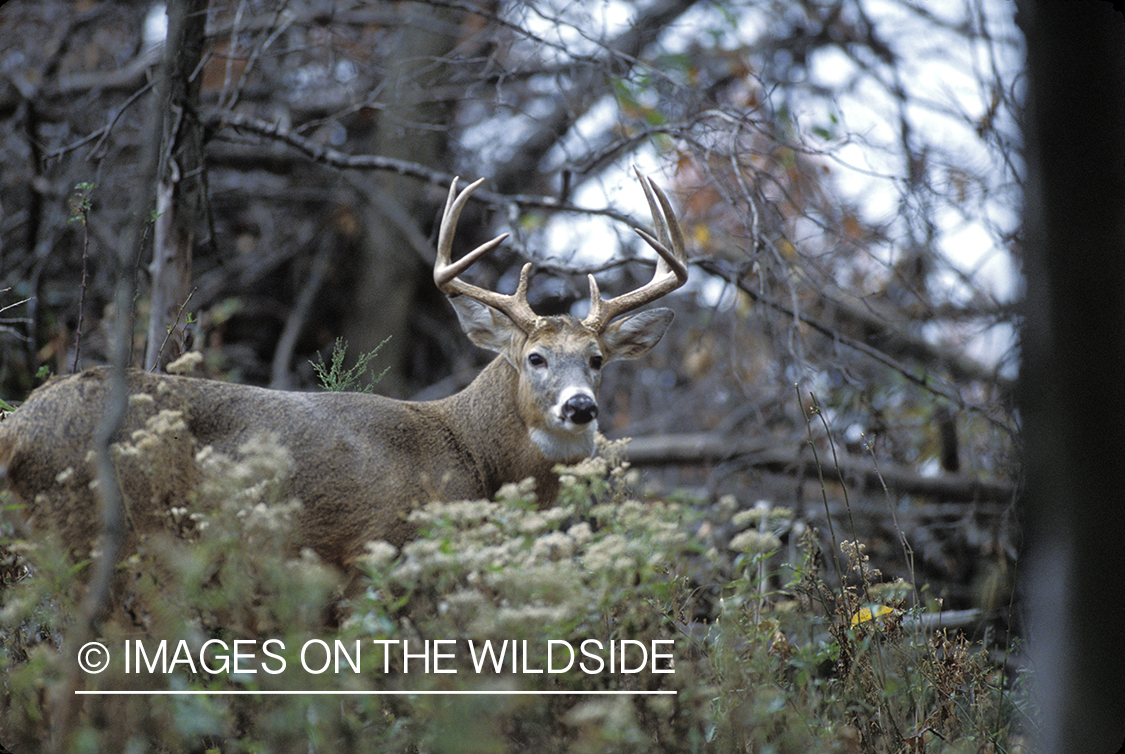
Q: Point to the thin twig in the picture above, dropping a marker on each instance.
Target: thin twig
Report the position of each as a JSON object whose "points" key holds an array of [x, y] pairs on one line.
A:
{"points": [[4, 328], [82, 208], [6, 307], [823, 494], [171, 329], [907, 550], [102, 133]]}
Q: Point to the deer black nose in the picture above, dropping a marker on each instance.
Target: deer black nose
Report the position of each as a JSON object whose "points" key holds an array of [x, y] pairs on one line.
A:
{"points": [[580, 409]]}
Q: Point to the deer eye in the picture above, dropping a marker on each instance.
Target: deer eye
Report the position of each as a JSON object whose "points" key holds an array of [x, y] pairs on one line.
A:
{"points": [[536, 360], [596, 361]]}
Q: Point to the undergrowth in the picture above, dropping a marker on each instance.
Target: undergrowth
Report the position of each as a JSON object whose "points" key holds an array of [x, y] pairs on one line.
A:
{"points": [[333, 377], [601, 593]]}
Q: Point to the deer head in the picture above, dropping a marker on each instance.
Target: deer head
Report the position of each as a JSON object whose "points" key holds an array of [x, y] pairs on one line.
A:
{"points": [[559, 359]]}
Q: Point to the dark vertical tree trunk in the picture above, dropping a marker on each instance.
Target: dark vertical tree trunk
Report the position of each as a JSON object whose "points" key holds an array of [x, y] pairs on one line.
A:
{"points": [[412, 126], [180, 186], [1072, 385]]}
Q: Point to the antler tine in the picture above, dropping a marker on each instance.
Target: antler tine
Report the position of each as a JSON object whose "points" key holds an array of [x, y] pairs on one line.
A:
{"points": [[446, 272], [667, 229], [671, 265], [658, 217]]}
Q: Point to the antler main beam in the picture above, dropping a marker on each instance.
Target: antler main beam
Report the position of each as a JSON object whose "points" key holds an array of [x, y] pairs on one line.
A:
{"points": [[446, 272], [668, 242], [671, 265]]}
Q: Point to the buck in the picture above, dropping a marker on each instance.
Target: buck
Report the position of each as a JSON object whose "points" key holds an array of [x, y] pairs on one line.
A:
{"points": [[360, 461]]}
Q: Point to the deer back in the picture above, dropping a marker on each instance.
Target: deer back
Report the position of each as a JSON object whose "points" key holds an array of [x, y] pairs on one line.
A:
{"points": [[358, 462]]}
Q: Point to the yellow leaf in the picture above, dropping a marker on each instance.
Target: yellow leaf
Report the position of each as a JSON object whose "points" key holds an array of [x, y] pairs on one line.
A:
{"points": [[700, 234], [870, 613]]}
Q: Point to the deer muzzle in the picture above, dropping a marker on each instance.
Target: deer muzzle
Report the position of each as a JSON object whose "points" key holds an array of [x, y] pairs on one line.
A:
{"points": [[580, 409]]}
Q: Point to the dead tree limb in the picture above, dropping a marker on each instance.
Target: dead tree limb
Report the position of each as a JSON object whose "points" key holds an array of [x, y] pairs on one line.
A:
{"points": [[786, 458]]}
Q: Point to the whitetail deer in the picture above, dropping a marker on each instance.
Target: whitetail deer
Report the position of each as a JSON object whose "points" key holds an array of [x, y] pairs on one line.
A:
{"points": [[361, 462]]}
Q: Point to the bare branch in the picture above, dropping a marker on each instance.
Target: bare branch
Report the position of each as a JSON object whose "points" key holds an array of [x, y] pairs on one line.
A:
{"points": [[326, 155], [770, 455]]}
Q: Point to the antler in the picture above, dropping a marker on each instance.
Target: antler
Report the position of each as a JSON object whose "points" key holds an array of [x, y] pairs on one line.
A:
{"points": [[446, 272], [671, 266]]}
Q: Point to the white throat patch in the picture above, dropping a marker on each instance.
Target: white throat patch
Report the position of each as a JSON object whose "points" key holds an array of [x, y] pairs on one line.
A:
{"points": [[565, 445]]}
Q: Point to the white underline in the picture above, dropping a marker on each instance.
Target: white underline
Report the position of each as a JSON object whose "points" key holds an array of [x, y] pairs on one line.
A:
{"points": [[166, 692]]}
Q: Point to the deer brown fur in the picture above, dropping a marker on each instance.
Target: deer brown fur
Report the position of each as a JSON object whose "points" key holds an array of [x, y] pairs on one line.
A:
{"points": [[360, 462]]}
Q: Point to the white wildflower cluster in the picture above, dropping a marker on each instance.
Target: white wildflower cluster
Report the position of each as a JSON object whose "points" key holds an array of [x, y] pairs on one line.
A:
{"points": [[757, 524], [549, 582], [613, 554], [649, 532], [142, 402], [460, 514], [482, 523], [552, 546], [727, 506], [259, 474], [518, 491], [659, 523], [462, 603], [155, 464], [476, 546], [763, 515], [186, 363], [580, 534], [520, 620], [537, 522], [593, 468], [309, 570], [251, 486], [495, 587], [378, 554], [505, 568], [426, 560], [605, 465], [755, 542], [274, 518], [178, 488], [184, 521], [612, 450], [163, 439], [482, 610]]}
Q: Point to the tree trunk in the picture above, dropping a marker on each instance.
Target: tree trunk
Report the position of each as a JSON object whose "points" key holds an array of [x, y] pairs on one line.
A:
{"points": [[1072, 393], [412, 126], [180, 186]]}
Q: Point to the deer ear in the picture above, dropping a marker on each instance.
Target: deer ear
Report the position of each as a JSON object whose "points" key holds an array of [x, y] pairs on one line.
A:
{"points": [[488, 328], [635, 336]]}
